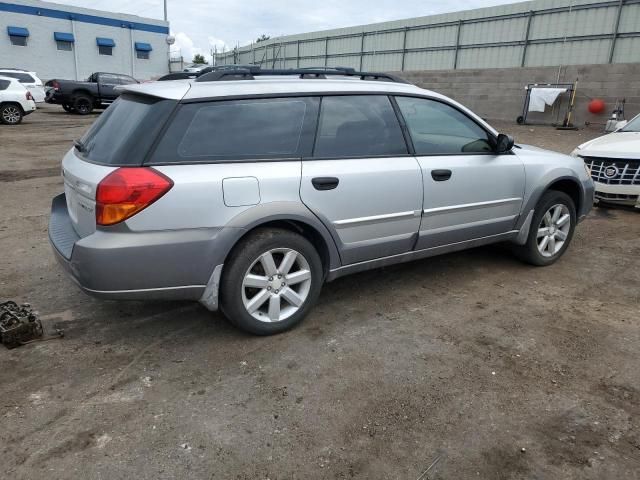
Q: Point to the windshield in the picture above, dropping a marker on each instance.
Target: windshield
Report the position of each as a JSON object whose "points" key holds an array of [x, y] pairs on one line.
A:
{"points": [[632, 126], [123, 134]]}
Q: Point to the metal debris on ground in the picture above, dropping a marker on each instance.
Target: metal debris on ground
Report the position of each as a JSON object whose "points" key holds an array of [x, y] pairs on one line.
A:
{"points": [[19, 324]]}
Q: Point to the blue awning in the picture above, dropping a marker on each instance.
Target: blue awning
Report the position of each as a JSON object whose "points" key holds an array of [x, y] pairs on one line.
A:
{"points": [[143, 47], [17, 32], [105, 42], [63, 37]]}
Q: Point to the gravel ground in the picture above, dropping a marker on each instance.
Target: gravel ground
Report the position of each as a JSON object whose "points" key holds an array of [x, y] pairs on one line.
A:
{"points": [[469, 365]]}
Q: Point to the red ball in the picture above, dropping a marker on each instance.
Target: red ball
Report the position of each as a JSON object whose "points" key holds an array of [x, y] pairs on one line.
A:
{"points": [[596, 106]]}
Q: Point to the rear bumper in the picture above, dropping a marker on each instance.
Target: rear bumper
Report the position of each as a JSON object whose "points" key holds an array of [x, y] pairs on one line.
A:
{"points": [[55, 98], [124, 265]]}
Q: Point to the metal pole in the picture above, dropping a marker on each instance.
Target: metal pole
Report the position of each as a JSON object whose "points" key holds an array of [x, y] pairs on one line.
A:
{"points": [[526, 39], [133, 58], [361, 49], [455, 58], [326, 51], [298, 55], [614, 36], [404, 47], [75, 50], [165, 10]]}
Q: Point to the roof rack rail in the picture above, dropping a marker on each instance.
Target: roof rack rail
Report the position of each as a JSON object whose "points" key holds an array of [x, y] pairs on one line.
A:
{"points": [[321, 72]]}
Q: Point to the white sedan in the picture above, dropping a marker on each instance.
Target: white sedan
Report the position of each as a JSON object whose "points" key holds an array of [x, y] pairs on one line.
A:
{"points": [[614, 161], [15, 101]]}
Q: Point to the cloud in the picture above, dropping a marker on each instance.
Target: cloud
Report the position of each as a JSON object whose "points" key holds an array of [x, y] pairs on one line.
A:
{"points": [[185, 46]]}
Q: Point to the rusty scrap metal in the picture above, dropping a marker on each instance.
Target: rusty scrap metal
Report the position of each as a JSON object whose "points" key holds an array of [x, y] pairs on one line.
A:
{"points": [[19, 324]]}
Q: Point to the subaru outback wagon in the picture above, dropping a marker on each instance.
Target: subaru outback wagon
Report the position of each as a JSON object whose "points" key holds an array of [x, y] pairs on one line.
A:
{"points": [[248, 190]]}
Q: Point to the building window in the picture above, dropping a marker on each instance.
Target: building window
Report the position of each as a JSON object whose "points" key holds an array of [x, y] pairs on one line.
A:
{"points": [[18, 36], [102, 50], [66, 46], [105, 45], [18, 41], [143, 50], [64, 41]]}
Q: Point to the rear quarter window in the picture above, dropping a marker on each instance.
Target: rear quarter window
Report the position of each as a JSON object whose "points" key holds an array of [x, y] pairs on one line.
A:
{"points": [[4, 84], [21, 77], [248, 129], [126, 130]]}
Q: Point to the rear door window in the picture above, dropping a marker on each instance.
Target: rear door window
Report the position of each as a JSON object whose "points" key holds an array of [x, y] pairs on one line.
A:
{"points": [[250, 129], [358, 126], [124, 133], [437, 128], [21, 77]]}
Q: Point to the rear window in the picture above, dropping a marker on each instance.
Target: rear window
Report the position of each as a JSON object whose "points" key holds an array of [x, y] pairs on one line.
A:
{"points": [[124, 133], [21, 77], [248, 129]]}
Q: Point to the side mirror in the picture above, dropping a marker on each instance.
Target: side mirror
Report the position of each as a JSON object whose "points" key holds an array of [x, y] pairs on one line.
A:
{"points": [[504, 143]]}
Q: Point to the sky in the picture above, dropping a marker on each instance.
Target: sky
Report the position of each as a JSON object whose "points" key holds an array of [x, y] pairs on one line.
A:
{"points": [[201, 25]]}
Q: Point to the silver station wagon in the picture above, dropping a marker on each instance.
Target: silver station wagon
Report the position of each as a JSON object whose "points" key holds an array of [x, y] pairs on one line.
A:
{"points": [[247, 190]]}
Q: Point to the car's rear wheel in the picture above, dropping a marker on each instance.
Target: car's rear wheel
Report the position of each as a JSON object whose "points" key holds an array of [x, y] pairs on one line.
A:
{"points": [[551, 231], [271, 281], [83, 104], [11, 114]]}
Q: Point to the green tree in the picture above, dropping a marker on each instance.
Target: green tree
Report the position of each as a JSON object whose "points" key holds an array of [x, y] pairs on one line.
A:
{"points": [[262, 38], [199, 58]]}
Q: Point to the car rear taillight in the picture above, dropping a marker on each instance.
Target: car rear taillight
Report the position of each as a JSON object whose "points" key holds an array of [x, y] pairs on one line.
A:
{"points": [[128, 190], [29, 96]]}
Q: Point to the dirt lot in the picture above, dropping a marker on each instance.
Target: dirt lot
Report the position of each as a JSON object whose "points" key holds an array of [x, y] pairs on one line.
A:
{"points": [[472, 364]]}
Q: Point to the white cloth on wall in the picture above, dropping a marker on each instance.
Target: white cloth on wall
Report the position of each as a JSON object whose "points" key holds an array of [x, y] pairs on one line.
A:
{"points": [[541, 97]]}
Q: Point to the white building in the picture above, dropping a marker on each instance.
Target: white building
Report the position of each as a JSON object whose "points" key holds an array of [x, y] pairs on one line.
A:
{"points": [[60, 41]]}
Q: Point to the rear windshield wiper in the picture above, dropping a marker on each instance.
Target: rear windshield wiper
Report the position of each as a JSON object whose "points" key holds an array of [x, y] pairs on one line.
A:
{"points": [[79, 145]]}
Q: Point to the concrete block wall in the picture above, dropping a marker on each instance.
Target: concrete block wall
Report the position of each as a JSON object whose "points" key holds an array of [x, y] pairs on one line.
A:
{"points": [[499, 93]]}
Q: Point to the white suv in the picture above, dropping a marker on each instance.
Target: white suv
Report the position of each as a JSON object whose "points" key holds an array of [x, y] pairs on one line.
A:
{"points": [[15, 101], [29, 80]]}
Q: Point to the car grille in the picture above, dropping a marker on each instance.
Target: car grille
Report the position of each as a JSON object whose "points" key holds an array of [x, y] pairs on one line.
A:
{"points": [[613, 171]]}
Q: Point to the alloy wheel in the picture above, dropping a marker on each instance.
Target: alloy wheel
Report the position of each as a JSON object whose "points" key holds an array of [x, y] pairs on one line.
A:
{"points": [[11, 114], [82, 106], [276, 285], [553, 230]]}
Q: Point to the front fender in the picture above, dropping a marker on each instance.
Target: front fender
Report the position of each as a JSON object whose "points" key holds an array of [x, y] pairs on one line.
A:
{"points": [[539, 185]]}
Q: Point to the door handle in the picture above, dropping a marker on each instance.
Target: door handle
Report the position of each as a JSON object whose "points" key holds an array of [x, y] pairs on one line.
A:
{"points": [[441, 175], [325, 183]]}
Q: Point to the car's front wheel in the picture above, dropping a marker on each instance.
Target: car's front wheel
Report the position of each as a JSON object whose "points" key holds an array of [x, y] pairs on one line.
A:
{"points": [[551, 231], [271, 281], [10, 114]]}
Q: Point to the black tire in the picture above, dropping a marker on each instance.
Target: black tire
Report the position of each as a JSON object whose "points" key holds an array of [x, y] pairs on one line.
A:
{"points": [[520, 120], [68, 108], [11, 114], [83, 104], [530, 252], [244, 257]]}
